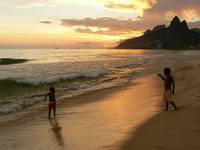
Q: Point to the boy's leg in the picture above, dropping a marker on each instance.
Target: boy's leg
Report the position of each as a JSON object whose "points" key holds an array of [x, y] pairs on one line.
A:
{"points": [[167, 104], [173, 104], [49, 112], [54, 110]]}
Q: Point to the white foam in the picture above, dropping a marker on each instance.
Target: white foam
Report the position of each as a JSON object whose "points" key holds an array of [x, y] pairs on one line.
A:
{"points": [[18, 105], [8, 108], [83, 88], [57, 78]]}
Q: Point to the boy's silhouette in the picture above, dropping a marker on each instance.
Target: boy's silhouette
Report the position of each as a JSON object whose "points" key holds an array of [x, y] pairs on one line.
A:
{"points": [[52, 100], [169, 86]]}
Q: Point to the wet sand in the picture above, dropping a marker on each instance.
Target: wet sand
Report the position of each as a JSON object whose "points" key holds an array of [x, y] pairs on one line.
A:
{"points": [[98, 120]]}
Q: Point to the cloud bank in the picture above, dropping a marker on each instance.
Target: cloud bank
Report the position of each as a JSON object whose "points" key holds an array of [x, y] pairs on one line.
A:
{"points": [[154, 12]]}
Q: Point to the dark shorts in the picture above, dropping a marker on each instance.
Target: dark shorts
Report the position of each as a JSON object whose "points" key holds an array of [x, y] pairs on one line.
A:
{"points": [[52, 105]]}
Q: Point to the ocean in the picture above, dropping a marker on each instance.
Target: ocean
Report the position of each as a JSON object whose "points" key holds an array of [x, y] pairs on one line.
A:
{"points": [[90, 115], [26, 75]]}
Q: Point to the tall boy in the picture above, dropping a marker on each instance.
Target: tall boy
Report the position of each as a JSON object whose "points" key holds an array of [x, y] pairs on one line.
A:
{"points": [[169, 86]]}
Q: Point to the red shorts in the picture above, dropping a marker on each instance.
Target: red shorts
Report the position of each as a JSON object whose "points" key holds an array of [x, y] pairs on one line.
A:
{"points": [[52, 105]]}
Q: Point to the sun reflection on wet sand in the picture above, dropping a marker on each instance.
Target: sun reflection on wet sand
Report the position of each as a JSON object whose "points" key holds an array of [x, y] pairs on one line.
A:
{"points": [[98, 120]]}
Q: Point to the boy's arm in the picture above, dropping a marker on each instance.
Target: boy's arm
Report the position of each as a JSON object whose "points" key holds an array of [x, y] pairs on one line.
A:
{"points": [[45, 98], [161, 76], [173, 86]]}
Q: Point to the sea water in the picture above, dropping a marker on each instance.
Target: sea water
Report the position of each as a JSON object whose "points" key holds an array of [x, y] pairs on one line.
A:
{"points": [[107, 119], [27, 74]]}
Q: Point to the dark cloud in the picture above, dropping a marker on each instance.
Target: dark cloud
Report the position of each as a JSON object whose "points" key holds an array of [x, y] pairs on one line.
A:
{"points": [[114, 26], [162, 11], [157, 6], [46, 22], [111, 24], [174, 5]]}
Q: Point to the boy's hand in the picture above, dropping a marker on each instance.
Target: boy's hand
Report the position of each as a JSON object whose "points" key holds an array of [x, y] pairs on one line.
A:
{"points": [[173, 92], [159, 75]]}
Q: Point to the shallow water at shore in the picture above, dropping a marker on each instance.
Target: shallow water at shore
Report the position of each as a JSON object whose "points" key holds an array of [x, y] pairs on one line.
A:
{"points": [[98, 120], [25, 83]]}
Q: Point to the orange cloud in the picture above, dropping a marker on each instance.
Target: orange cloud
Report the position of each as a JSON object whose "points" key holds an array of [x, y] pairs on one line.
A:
{"points": [[111, 24], [136, 6]]}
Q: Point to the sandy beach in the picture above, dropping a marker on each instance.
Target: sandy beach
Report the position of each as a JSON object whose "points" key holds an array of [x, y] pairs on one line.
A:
{"points": [[174, 130], [127, 117]]}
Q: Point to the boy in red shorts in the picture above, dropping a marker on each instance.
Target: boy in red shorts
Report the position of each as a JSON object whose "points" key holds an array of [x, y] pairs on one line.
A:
{"points": [[52, 100]]}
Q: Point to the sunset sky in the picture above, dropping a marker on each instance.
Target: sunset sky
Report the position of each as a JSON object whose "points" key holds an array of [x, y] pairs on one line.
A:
{"points": [[86, 23]]}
